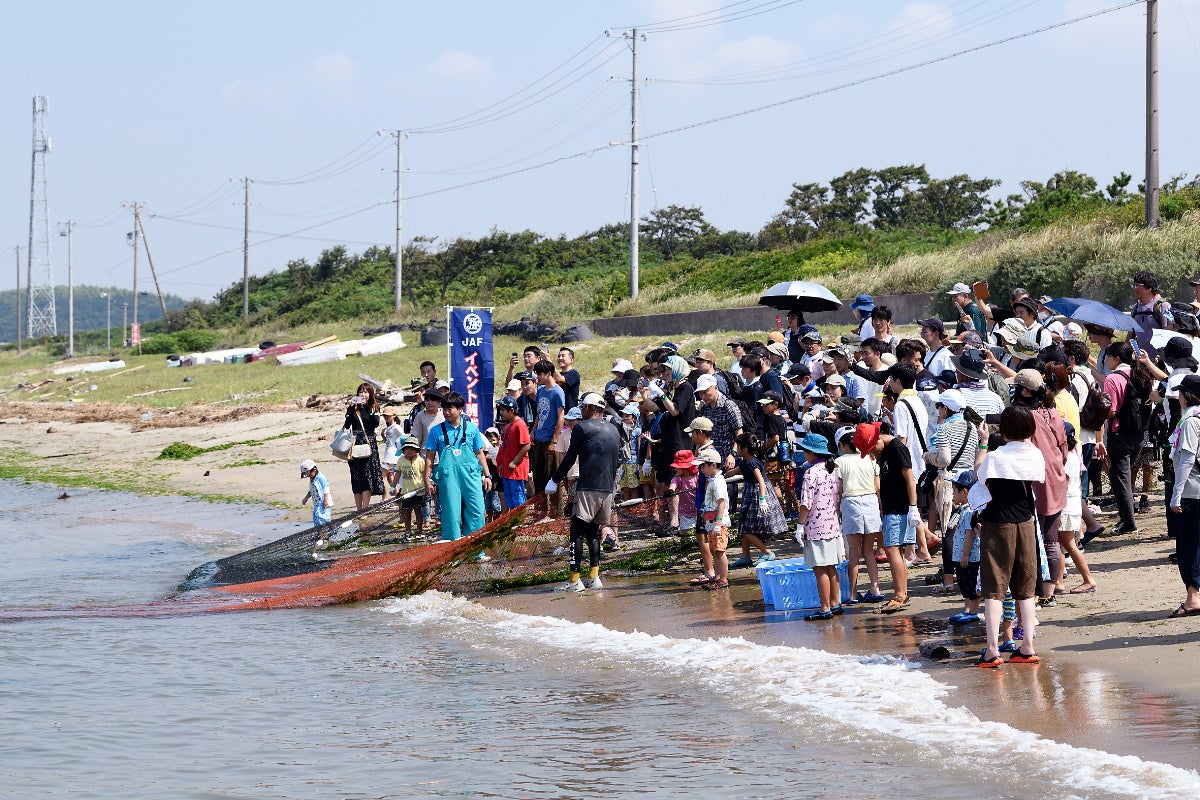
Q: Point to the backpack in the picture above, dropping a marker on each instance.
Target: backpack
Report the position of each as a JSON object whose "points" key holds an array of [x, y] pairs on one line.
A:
{"points": [[1094, 412], [734, 383], [1134, 416]]}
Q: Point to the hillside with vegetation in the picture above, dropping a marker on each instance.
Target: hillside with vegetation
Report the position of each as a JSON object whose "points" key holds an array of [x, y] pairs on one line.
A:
{"points": [[893, 230]]}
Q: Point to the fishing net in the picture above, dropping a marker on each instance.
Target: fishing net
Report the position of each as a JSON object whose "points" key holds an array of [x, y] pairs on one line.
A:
{"points": [[367, 556]]}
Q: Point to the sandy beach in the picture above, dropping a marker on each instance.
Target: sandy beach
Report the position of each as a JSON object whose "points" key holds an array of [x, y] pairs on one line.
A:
{"points": [[1122, 629]]}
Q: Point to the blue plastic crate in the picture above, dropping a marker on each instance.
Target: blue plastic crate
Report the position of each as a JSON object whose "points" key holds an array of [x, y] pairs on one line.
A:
{"points": [[762, 570], [794, 586]]}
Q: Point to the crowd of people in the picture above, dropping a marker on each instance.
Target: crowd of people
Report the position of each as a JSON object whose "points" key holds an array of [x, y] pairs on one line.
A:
{"points": [[986, 438]]}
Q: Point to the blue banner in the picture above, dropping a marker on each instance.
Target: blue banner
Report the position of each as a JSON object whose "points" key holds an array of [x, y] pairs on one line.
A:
{"points": [[472, 362]]}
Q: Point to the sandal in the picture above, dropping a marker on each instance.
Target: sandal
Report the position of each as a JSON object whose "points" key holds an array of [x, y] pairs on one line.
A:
{"points": [[1184, 611], [992, 663], [894, 605], [716, 584], [1021, 658], [817, 616], [702, 578], [943, 588]]}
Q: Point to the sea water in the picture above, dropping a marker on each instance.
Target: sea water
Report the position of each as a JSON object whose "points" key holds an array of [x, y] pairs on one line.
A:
{"points": [[435, 695]]}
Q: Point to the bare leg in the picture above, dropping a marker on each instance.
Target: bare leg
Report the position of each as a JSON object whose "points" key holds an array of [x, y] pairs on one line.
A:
{"points": [[823, 585], [992, 611], [706, 554], [362, 500], [899, 572], [1067, 538], [1027, 609], [750, 540]]}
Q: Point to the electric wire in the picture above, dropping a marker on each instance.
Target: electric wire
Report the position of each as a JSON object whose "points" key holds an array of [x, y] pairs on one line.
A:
{"points": [[318, 176], [531, 168], [537, 98], [789, 72], [754, 11], [501, 101], [892, 72], [302, 177]]}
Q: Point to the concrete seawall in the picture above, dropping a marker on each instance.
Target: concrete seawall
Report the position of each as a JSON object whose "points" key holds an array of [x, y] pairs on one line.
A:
{"points": [[905, 308]]}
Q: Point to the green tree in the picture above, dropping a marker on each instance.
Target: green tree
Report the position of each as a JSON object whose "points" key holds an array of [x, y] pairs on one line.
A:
{"points": [[669, 230]]}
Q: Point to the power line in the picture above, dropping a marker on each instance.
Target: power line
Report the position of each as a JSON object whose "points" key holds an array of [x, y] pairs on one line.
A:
{"points": [[890, 73], [303, 177], [537, 98], [560, 159], [753, 11], [501, 101]]}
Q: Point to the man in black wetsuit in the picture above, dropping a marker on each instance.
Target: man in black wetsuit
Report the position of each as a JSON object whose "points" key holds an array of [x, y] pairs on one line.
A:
{"points": [[596, 444]]}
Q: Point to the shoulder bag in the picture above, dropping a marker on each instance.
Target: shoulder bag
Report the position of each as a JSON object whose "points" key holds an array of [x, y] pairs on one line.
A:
{"points": [[361, 450]]}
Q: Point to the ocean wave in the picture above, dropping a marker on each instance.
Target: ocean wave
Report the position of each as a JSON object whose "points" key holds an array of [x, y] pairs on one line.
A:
{"points": [[883, 702]]}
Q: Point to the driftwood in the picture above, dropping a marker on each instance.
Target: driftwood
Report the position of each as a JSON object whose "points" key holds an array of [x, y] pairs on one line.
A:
{"points": [[158, 391]]}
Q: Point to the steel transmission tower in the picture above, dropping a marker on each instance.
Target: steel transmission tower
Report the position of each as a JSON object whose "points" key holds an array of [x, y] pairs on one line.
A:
{"points": [[42, 318]]}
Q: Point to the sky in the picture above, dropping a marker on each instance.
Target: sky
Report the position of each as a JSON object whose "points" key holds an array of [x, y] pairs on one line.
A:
{"points": [[517, 115]]}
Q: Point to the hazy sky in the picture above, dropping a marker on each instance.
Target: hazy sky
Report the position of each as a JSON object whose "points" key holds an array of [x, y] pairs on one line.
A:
{"points": [[163, 104]]}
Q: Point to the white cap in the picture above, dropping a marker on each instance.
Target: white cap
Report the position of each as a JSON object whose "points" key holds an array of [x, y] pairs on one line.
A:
{"points": [[622, 365], [960, 288], [514, 385], [307, 466], [953, 399], [574, 413], [592, 399], [705, 382]]}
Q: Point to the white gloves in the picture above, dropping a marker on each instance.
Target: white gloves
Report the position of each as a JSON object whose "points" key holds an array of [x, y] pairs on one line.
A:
{"points": [[914, 517], [799, 533], [646, 468], [551, 486], [654, 391]]}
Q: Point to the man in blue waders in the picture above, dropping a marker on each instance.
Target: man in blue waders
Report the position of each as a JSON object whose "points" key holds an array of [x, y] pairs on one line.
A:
{"points": [[461, 476], [596, 444]]}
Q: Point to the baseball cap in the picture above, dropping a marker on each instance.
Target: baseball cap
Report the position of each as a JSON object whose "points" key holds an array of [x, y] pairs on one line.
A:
{"points": [[574, 413], [307, 466], [813, 335], [674, 348], [964, 479], [953, 399], [1029, 379], [705, 382], [835, 380], [525, 375], [948, 377], [506, 402], [621, 366], [699, 424], [770, 397], [706, 355], [513, 386], [709, 456], [592, 399], [737, 341], [933, 323], [960, 288]]}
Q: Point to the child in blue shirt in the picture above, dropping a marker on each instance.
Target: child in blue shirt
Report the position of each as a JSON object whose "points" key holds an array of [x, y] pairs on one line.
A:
{"points": [[966, 550], [318, 490]]}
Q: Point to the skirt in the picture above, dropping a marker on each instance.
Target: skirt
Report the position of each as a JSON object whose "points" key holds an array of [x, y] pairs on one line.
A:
{"points": [[762, 518], [365, 473], [824, 552]]}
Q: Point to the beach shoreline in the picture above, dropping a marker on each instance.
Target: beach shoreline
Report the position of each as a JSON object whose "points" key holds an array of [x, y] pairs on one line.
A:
{"points": [[1123, 629]]}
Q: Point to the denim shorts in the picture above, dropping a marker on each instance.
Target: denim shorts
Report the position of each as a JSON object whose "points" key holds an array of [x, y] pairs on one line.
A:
{"points": [[896, 531]]}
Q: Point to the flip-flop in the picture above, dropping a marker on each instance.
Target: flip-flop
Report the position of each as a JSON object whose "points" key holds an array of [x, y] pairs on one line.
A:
{"points": [[702, 579], [1081, 590], [1184, 611], [1021, 658], [990, 664]]}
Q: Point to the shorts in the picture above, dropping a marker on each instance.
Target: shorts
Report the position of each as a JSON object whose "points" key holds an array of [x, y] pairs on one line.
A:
{"points": [[1070, 522], [593, 506], [514, 492], [687, 523], [860, 514], [718, 539], [1009, 560], [630, 479], [824, 552], [416, 501], [896, 532], [967, 578]]}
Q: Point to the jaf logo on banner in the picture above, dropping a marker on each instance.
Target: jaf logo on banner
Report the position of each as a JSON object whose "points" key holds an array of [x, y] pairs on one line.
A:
{"points": [[472, 366]]}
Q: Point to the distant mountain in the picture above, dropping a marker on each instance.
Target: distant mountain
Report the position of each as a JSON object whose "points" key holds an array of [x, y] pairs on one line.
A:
{"points": [[90, 309]]}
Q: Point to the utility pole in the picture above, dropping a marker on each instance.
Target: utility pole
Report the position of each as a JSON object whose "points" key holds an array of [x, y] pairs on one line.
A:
{"points": [[398, 135], [633, 171], [153, 273], [124, 324], [245, 248], [132, 238], [66, 230], [108, 319], [1152, 187], [18, 249]]}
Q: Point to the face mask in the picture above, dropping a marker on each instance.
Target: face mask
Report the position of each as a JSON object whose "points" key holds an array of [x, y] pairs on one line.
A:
{"points": [[1043, 316]]}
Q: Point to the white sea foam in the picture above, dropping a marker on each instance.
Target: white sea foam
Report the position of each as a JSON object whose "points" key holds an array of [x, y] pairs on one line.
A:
{"points": [[874, 699]]}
